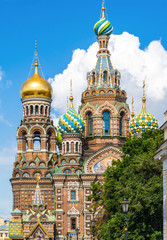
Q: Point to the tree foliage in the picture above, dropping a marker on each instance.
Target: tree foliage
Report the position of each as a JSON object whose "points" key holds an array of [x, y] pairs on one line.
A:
{"points": [[138, 177]]}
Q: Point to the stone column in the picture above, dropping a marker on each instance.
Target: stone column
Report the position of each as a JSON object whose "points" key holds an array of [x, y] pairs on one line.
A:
{"points": [[44, 143], [30, 143]]}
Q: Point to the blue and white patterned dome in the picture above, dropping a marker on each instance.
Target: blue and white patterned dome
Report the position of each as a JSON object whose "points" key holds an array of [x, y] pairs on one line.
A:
{"points": [[71, 122], [142, 122]]}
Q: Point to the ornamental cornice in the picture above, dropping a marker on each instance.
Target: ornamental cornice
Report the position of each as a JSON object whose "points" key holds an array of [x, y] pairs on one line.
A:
{"points": [[36, 99], [30, 179], [61, 211], [71, 135]]}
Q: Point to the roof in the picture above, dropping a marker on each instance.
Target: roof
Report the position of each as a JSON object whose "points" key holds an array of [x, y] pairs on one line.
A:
{"points": [[4, 227]]}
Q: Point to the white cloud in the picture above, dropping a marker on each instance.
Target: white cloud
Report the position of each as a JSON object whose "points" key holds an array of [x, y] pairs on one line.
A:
{"points": [[134, 64]]}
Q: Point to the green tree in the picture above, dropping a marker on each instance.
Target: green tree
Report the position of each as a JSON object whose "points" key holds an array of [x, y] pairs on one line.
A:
{"points": [[138, 177]]}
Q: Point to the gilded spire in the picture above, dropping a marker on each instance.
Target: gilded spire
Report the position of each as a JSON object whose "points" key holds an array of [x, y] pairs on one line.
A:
{"points": [[36, 59], [103, 10], [132, 114], [144, 98], [36, 55], [71, 96], [37, 198], [38, 179]]}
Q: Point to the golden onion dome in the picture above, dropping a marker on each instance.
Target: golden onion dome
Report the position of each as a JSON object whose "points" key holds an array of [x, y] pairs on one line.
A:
{"points": [[36, 86]]}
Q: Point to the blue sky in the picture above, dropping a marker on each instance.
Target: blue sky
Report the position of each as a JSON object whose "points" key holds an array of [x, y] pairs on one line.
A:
{"points": [[61, 27]]}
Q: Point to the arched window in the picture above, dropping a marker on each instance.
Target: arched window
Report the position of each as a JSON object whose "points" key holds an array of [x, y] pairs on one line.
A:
{"points": [[104, 44], [76, 147], [26, 110], [46, 109], [106, 123], [36, 109], [73, 195], [67, 145], [105, 76], [31, 109], [93, 78], [90, 124], [41, 110], [121, 123], [73, 223], [37, 141]]}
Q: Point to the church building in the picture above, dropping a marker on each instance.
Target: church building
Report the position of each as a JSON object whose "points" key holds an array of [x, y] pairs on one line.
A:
{"points": [[51, 188]]}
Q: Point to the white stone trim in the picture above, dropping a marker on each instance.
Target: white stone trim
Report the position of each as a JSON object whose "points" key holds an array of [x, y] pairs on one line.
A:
{"points": [[73, 186]]}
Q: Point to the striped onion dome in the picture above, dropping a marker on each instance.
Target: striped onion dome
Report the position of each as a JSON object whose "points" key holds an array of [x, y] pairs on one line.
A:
{"points": [[143, 121], [71, 122], [103, 27]]}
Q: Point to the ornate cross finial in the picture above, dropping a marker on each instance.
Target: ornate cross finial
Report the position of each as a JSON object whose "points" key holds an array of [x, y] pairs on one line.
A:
{"points": [[103, 10], [71, 96], [144, 98], [132, 114], [36, 50]]}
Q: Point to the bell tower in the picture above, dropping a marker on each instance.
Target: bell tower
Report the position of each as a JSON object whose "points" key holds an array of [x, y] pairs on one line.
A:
{"points": [[104, 106], [36, 143]]}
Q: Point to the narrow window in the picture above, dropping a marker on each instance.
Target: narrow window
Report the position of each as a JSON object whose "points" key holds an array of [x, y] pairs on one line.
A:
{"points": [[106, 123], [36, 109], [93, 78], [90, 124], [76, 147], [26, 110], [46, 109], [41, 110], [121, 124], [68, 147], [37, 141], [31, 109], [73, 195], [105, 76], [73, 223]]}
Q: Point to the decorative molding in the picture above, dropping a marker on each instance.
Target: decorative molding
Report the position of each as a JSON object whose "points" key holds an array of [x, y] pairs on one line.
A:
{"points": [[73, 186], [73, 212]]}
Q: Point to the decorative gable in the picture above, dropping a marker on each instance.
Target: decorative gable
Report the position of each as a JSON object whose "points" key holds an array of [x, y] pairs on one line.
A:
{"points": [[38, 232], [37, 159], [73, 212]]}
